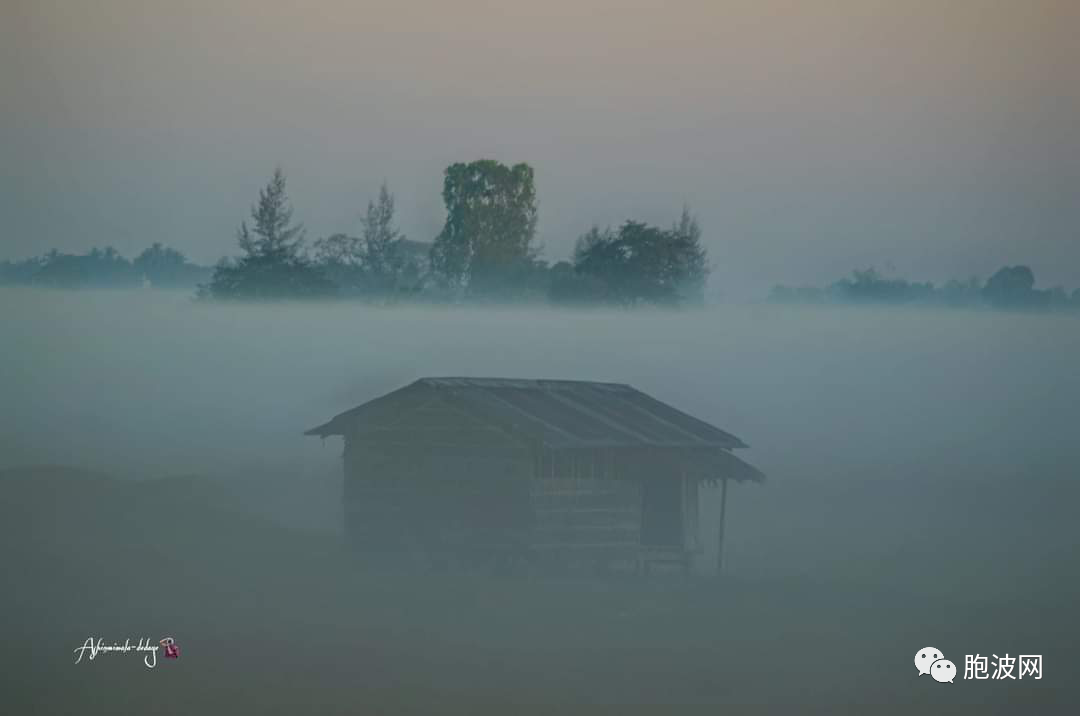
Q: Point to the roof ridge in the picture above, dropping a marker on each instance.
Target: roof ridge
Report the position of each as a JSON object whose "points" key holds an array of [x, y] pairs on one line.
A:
{"points": [[436, 379]]}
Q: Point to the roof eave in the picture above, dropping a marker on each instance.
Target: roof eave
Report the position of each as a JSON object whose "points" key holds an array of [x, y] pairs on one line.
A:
{"points": [[325, 430]]}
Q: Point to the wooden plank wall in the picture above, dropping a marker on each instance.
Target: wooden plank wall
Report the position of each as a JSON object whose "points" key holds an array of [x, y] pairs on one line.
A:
{"points": [[434, 502], [482, 496], [583, 510]]}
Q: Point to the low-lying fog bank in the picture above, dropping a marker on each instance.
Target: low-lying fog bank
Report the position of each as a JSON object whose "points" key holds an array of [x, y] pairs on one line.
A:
{"points": [[921, 488]]}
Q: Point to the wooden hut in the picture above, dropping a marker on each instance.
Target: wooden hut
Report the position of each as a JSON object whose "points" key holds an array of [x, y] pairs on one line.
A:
{"points": [[546, 470]]}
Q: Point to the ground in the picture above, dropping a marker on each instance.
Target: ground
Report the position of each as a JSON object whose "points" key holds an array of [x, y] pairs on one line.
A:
{"points": [[274, 620]]}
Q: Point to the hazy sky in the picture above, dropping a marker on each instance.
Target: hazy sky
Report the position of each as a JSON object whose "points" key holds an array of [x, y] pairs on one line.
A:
{"points": [[811, 137]]}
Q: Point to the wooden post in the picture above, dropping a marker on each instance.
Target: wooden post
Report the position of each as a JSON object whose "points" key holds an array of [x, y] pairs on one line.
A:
{"points": [[720, 538]]}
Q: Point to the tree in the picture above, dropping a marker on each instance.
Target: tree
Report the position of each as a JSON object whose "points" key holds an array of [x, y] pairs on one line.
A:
{"points": [[1011, 287], [339, 250], [490, 226], [692, 264], [381, 238], [274, 264], [377, 262], [24, 271], [566, 285], [340, 257], [273, 237], [157, 258], [98, 268], [962, 293], [164, 266], [643, 264], [869, 286]]}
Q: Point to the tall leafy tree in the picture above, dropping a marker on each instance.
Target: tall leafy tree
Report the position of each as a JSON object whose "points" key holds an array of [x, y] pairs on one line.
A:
{"points": [[341, 259], [1011, 286], [165, 266], [157, 258], [160, 264], [490, 226], [639, 263], [339, 250]]}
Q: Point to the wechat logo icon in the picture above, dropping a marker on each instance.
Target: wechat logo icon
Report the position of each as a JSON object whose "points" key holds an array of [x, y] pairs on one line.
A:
{"points": [[932, 661]]}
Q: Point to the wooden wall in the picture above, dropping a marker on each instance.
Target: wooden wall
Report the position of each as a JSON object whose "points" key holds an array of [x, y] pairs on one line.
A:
{"points": [[584, 510], [482, 495], [434, 502]]}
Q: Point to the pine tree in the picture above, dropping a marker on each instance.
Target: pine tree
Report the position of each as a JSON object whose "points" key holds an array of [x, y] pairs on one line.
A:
{"points": [[691, 264], [273, 237], [274, 264], [381, 237]]}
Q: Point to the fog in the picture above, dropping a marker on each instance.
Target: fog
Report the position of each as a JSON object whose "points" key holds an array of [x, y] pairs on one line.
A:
{"points": [[921, 491]]}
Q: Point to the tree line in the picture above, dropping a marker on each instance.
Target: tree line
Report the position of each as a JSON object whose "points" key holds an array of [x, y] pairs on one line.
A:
{"points": [[1011, 287], [486, 250], [157, 266]]}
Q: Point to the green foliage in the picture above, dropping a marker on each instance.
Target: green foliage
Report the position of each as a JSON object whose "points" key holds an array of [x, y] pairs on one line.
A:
{"points": [[163, 266], [869, 286], [692, 265], [257, 278], [381, 238], [381, 262], [20, 271], [638, 264], [158, 259], [98, 268], [961, 293], [159, 265], [1012, 287], [340, 257], [273, 237], [340, 250], [274, 264], [567, 286], [490, 226]]}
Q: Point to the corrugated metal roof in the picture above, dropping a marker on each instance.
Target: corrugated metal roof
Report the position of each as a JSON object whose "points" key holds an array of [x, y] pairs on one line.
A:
{"points": [[561, 414]]}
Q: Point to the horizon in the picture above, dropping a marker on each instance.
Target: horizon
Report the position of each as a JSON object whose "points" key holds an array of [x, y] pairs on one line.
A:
{"points": [[809, 140]]}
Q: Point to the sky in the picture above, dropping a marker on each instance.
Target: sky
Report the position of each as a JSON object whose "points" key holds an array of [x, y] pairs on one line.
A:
{"points": [[929, 139]]}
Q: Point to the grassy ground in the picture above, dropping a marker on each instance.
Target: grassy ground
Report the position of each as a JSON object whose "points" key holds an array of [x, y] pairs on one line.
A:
{"points": [[272, 620]]}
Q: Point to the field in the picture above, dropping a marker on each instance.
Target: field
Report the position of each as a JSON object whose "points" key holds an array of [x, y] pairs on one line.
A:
{"points": [[921, 492]]}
